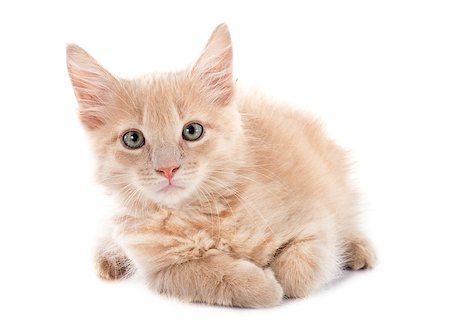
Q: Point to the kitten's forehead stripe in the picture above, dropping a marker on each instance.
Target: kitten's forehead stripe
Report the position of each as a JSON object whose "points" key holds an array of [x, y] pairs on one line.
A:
{"points": [[158, 108]]}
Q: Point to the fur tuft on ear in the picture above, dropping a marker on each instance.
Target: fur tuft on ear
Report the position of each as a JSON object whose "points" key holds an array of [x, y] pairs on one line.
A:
{"points": [[214, 68], [92, 85]]}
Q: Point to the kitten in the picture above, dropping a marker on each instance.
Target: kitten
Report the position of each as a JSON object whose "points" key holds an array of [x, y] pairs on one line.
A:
{"points": [[226, 198]]}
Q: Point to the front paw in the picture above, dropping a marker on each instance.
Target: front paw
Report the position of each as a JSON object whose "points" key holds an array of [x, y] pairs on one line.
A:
{"points": [[220, 280], [257, 288], [114, 267]]}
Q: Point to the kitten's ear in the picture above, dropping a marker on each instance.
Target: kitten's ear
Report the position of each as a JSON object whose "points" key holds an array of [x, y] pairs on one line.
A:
{"points": [[214, 68], [92, 85]]}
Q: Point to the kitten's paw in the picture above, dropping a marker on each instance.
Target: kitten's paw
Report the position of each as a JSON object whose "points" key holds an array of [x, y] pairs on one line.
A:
{"points": [[220, 280], [258, 289], [360, 255], [114, 267]]}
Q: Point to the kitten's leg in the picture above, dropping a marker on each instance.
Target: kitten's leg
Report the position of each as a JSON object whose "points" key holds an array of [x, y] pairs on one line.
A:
{"points": [[222, 280], [359, 253], [111, 261], [305, 264]]}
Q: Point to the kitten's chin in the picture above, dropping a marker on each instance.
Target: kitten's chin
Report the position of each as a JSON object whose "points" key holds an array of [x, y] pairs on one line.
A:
{"points": [[170, 195]]}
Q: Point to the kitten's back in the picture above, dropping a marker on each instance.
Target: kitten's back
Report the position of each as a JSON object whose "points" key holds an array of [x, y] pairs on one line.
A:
{"points": [[290, 148]]}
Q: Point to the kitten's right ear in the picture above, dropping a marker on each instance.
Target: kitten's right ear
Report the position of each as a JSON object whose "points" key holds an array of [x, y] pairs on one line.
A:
{"points": [[214, 68], [92, 85]]}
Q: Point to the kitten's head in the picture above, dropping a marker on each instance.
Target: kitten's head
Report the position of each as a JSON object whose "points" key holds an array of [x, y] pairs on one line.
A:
{"points": [[162, 138]]}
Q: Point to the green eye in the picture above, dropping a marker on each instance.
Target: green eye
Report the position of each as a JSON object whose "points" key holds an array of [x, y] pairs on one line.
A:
{"points": [[133, 139], [192, 131]]}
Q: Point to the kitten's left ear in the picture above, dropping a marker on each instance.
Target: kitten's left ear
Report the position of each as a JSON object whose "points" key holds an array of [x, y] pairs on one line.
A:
{"points": [[93, 86], [214, 68]]}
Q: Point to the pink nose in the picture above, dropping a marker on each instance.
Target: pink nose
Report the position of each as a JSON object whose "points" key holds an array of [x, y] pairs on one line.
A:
{"points": [[168, 171]]}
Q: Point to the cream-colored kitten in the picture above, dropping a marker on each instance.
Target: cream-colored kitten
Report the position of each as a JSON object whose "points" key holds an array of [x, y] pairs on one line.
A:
{"points": [[226, 198]]}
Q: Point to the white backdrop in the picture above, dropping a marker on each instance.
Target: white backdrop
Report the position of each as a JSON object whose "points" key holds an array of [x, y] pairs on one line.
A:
{"points": [[377, 72]]}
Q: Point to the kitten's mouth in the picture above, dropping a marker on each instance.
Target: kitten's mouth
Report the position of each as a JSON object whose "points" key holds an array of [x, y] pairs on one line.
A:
{"points": [[170, 187]]}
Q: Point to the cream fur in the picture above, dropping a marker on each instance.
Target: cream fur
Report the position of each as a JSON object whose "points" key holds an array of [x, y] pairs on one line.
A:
{"points": [[265, 207]]}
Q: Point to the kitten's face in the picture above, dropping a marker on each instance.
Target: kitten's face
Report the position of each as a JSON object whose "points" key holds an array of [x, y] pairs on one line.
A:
{"points": [[175, 140], [161, 138]]}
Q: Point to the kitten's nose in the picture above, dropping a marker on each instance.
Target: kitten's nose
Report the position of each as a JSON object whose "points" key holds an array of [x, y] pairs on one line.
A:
{"points": [[168, 171]]}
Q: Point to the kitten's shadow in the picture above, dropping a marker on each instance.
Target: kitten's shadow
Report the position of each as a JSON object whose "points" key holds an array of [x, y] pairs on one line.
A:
{"points": [[344, 277]]}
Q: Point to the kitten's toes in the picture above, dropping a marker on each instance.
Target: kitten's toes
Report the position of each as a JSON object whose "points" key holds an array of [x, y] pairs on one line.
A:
{"points": [[360, 255], [113, 268], [276, 288], [262, 290]]}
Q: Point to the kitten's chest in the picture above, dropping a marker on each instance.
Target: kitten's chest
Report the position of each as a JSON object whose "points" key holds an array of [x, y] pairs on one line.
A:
{"points": [[228, 230], [176, 236]]}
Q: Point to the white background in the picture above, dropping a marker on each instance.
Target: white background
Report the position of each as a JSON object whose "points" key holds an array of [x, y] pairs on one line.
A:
{"points": [[378, 73]]}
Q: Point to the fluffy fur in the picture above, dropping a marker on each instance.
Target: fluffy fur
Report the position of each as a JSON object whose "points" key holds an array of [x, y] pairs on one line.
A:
{"points": [[260, 207]]}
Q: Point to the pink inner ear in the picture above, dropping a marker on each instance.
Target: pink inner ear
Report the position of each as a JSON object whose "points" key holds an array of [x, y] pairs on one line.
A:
{"points": [[89, 100], [89, 94], [222, 87], [215, 66], [92, 119], [218, 80]]}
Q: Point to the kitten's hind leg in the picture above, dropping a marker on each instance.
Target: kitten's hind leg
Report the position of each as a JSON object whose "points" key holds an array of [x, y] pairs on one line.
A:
{"points": [[111, 261], [359, 253]]}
